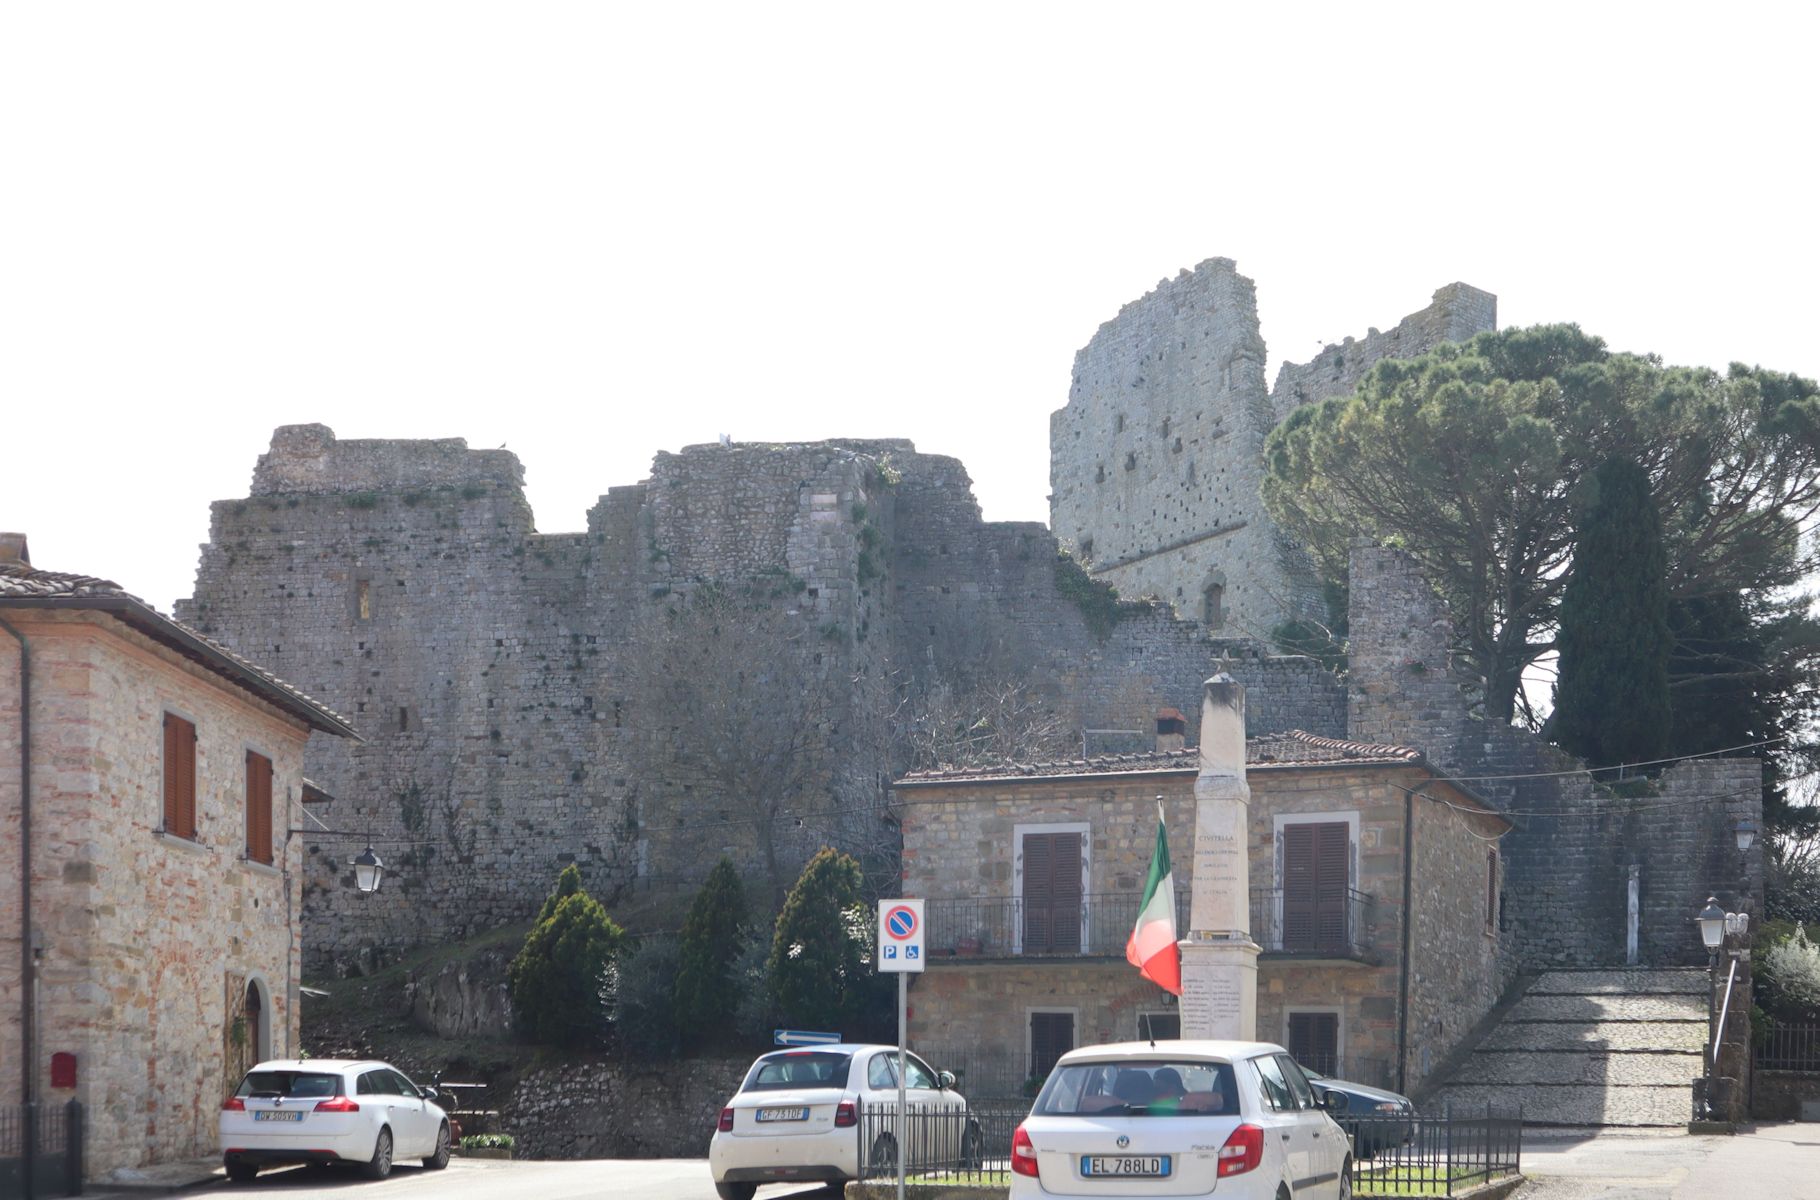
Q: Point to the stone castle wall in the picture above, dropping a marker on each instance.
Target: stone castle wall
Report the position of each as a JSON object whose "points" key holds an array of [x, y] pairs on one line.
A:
{"points": [[491, 668], [1568, 863], [1156, 461]]}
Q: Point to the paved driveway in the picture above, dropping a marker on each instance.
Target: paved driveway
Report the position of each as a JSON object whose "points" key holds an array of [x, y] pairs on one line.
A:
{"points": [[473, 1179], [1772, 1162]]}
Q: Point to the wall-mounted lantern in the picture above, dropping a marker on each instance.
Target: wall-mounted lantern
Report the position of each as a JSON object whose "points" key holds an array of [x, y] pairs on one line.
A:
{"points": [[369, 869]]}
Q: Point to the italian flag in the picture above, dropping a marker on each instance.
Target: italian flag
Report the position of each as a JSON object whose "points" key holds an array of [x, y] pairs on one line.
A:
{"points": [[1152, 949]]}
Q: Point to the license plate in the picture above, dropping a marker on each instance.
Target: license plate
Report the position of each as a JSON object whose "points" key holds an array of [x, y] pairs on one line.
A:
{"points": [[275, 1115], [783, 1114], [1152, 1167]]}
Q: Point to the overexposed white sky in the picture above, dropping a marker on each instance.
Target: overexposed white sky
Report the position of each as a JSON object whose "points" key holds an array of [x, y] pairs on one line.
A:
{"points": [[593, 231]]}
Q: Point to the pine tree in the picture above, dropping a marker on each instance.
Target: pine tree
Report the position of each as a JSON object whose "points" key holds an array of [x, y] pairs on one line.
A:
{"points": [[557, 977], [819, 969], [712, 939], [1611, 695]]}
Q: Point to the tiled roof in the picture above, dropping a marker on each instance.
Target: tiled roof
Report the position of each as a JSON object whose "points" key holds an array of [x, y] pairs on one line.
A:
{"points": [[1290, 748], [20, 582]]}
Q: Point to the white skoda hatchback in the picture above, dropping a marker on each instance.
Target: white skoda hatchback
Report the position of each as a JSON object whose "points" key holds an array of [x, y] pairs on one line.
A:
{"points": [[1235, 1119], [331, 1111]]}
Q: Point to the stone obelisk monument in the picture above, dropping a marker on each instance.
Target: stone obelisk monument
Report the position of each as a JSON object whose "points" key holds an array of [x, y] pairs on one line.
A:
{"points": [[1219, 959]]}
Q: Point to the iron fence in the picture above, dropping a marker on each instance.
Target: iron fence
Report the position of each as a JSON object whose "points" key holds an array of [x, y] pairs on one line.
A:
{"points": [[1785, 1047], [1022, 927], [1318, 923], [55, 1134], [939, 1144], [1415, 1154]]}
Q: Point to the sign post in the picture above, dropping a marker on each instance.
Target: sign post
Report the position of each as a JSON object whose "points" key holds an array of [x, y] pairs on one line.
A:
{"points": [[900, 949]]}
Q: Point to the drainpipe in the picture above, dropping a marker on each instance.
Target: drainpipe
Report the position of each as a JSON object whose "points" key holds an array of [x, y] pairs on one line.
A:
{"points": [[1409, 876], [28, 982]]}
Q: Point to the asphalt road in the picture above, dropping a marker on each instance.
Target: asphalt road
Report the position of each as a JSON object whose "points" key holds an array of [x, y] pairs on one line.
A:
{"points": [[1770, 1162], [473, 1179]]}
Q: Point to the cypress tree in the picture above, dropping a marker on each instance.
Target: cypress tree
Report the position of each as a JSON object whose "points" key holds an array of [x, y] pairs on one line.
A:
{"points": [[712, 939], [1611, 694], [819, 968]]}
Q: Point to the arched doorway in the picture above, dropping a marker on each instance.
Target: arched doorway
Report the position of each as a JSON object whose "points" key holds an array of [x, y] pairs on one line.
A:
{"points": [[257, 1013]]}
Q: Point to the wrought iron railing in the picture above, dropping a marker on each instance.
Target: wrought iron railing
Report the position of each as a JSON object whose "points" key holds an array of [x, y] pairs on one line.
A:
{"points": [[55, 1132], [940, 1145], [1788, 1047], [1421, 1155], [1316, 923], [1016, 927]]}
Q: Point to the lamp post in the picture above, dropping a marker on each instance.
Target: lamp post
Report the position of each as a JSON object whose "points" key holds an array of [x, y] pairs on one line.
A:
{"points": [[1715, 924]]}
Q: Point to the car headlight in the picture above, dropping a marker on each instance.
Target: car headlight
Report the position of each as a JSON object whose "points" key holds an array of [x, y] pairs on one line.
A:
{"points": [[1390, 1106]]}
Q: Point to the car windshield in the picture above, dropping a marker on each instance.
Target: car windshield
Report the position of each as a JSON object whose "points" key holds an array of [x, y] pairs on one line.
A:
{"points": [[1140, 1088], [798, 1069], [275, 1084]]}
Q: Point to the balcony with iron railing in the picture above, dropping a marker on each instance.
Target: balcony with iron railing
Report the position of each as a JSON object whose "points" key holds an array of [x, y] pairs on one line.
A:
{"points": [[1326, 926]]}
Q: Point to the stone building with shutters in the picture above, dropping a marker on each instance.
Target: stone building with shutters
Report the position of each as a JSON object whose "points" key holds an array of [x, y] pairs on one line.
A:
{"points": [[1375, 898], [155, 777]]}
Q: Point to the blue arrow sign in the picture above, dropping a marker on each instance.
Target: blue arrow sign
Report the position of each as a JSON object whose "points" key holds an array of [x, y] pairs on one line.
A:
{"points": [[803, 1037]]}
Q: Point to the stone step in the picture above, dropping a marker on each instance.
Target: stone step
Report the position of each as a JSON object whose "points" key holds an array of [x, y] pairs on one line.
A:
{"points": [[1608, 1008], [1690, 982], [1597, 1036], [1575, 1104], [1626, 1070]]}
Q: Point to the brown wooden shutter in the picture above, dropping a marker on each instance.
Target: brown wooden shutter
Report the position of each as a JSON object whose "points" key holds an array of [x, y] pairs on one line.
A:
{"points": [[179, 777], [1052, 893], [1314, 1040], [1317, 860], [258, 807], [1051, 1036]]}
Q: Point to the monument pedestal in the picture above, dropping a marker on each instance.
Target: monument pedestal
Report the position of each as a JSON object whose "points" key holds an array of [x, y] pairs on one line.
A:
{"points": [[1220, 989]]}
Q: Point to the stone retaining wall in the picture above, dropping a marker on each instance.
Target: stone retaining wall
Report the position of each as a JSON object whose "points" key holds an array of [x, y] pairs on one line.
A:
{"points": [[601, 1109]]}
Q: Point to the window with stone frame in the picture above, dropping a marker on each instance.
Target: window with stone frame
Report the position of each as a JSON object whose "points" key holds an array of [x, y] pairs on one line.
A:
{"points": [[1051, 1036], [258, 808], [179, 777], [1314, 1040]]}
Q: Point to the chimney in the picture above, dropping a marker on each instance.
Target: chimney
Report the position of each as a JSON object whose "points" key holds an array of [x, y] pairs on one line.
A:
{"points": [[13, 551], [1171, 730]]}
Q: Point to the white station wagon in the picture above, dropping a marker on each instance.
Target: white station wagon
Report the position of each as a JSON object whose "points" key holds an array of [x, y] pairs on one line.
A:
{"points": [[1236, 1119], [325, 1110]]}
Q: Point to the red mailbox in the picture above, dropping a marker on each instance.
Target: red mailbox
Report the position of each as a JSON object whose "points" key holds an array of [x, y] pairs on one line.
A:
{"points": [[63, 1069]]}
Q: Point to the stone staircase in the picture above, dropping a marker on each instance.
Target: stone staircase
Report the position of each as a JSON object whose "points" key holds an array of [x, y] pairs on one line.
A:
{"points": [[1591, 1049]]}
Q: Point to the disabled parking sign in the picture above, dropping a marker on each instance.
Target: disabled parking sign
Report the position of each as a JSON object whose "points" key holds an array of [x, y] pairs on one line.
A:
{"points": [[900, 935]]}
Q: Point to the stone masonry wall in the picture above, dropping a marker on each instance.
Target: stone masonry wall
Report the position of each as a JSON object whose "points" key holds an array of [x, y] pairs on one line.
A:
{"points": [[488, 666], [619, 1109], [1156, 461], [1567, 865], [148, 940]]}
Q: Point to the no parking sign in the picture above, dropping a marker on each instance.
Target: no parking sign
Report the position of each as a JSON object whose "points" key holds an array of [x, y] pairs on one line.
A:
{"points": [[900, 935]]}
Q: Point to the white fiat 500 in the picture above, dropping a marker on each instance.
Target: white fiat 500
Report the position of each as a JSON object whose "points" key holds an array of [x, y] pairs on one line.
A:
{"points": [[1179, 1119], [325, 1110], [798, 1114]]}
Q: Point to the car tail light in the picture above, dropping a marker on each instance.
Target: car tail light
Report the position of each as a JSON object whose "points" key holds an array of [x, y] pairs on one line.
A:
{"points": [[233, 1104], [337, 1104], [726, 1120], [845, 1115], [1023, 1155], [1243, 1151]]}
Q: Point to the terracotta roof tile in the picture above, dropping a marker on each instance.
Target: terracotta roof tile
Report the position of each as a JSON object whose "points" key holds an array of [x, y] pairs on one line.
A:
{"points": [[1291, 747], [23, 582]]}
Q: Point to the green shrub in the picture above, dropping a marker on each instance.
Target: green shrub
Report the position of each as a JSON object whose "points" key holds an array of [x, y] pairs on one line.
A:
{"points": [[820, 969], [1791, 968], [558, 976], [712, 937], [641, 988], [488, 1141]]}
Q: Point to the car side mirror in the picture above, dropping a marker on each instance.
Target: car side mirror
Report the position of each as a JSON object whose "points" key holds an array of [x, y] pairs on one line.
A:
{"points": [[430, 1093], [945, 1078], [1333, 1101]]}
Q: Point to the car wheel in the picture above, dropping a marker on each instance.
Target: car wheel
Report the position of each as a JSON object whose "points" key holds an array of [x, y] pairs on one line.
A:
{"points": [[242, 1172], [883, 1159], [1346, 1180], [972, 1147], [381, 1163], [440, 1159], [735, 1191]]}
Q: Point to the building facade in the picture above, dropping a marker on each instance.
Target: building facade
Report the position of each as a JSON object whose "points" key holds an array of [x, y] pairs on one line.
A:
{"points": [[1375, 897], [165, 776]]}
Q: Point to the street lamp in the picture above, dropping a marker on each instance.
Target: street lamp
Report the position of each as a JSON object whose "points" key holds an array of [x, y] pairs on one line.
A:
{"points": [[1715, 925], [1746, 832], [368, 870], [1712, 926]]}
